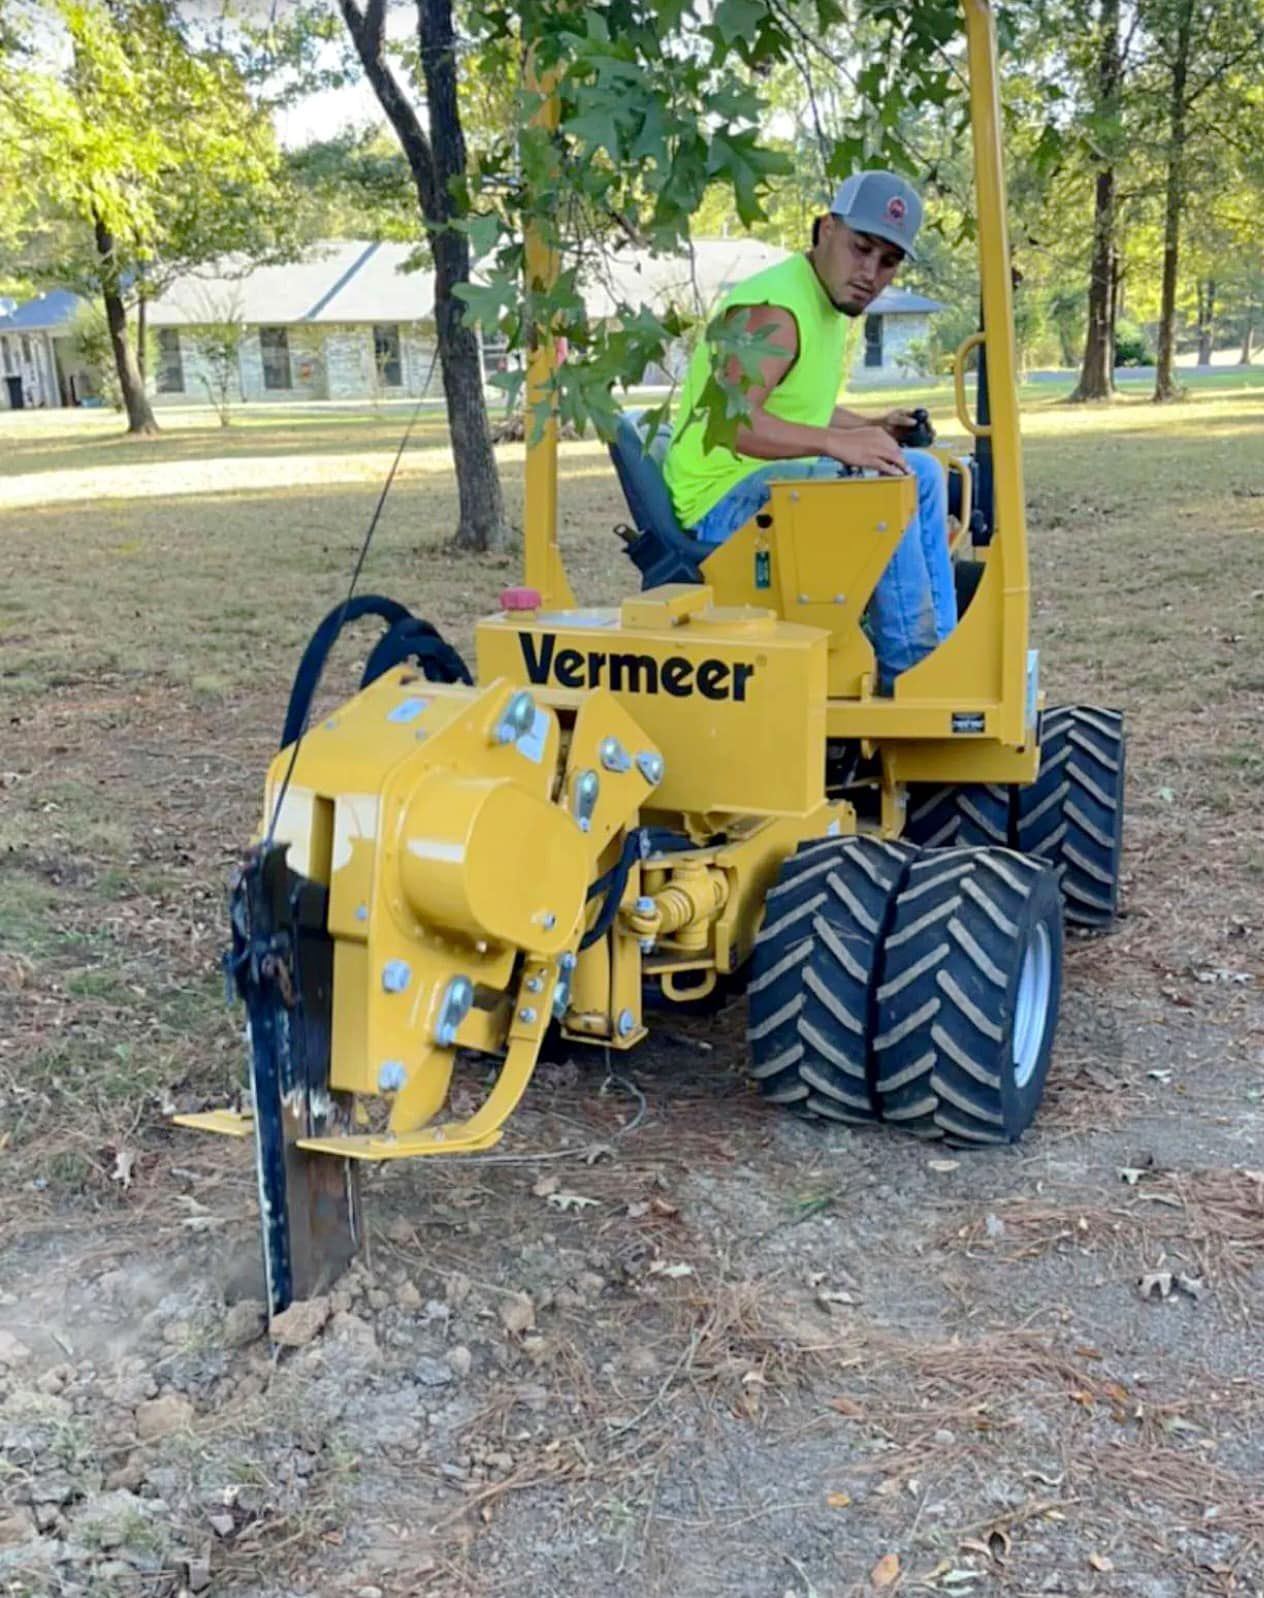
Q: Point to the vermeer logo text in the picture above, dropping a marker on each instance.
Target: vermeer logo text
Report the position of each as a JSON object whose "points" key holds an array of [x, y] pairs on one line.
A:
{"points": [[632, 673]]}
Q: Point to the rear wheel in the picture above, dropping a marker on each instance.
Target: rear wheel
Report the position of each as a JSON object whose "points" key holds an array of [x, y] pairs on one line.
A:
{"points": [[814, 975], [1071, 816], [968, 1002]]}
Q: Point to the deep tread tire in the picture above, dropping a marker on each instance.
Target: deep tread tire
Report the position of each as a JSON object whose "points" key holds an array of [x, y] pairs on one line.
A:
{"points": [[964, 925], [1071, 816], [814, 974]]}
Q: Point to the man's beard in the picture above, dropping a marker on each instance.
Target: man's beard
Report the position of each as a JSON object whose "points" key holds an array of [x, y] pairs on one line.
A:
{"points": [[849, 307]]}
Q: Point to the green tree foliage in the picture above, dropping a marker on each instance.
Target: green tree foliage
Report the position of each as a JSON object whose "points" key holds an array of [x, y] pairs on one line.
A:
{"points": [[663, 110], [356, 184], [138, 154]]}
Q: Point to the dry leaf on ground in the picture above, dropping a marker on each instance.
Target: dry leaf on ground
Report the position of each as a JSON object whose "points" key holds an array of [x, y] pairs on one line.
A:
{"points": [[886, 1571]]}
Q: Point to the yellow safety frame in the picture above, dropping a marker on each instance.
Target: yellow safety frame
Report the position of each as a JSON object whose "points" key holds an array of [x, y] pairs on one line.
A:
{"points": [[967, 712]]}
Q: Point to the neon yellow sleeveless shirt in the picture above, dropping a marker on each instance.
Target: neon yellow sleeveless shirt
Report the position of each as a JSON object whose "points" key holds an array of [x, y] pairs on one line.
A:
{"points": [[699, 478]]}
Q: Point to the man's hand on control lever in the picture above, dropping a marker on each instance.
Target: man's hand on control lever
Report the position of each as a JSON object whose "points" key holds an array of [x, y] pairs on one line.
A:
{"points": [[912, 429], [869, 449]]}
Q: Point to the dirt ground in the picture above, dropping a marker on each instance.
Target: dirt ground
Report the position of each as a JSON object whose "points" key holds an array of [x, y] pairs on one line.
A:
{"points": [[663, 1340]]}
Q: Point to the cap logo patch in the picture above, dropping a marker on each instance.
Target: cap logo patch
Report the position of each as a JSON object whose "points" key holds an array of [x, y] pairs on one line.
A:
{"points": [[896, 208]]}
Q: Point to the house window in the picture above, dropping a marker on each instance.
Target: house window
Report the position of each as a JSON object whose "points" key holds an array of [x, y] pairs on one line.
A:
{"points": [[274, 344], [495, 355], [170, 362], [873, 341], [390, 371]]}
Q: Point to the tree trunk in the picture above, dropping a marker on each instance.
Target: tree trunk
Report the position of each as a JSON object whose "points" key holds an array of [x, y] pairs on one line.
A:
{"points": [[142, 333], [437, 165], [1097, 373], [1248, 340], [1165, 378], [1206, 322], [140, 418], [482, 524]]}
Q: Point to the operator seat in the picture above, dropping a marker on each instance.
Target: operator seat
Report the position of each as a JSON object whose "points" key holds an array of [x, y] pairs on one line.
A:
{"points": [[661, 549]]}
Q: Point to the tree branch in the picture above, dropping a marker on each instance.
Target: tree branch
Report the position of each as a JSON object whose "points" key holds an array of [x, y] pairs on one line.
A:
{"points": [[367, 30]]}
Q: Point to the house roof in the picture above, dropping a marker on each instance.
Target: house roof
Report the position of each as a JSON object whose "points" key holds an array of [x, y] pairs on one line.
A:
{"points": [[903, 302], [338, 280], [46, 313]]}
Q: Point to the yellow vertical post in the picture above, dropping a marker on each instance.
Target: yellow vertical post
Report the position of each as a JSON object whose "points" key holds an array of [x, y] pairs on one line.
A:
{"points": [[542, 559], [1010, 542]]}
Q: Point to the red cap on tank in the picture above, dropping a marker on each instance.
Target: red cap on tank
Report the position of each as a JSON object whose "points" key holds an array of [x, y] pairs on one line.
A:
{"points": [[520, 599]]}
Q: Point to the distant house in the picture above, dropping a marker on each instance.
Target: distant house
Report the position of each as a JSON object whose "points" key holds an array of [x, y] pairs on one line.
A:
{"points": [[346, 322], [349, 322], [39, 363], [897, 320]]}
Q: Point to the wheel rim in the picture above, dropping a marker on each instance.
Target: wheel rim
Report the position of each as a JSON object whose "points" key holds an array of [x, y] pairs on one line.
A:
{"points": [[1031, 1011]]}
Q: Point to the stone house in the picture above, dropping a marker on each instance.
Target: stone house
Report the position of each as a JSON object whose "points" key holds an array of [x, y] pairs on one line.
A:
{"points": [[346, 322]]}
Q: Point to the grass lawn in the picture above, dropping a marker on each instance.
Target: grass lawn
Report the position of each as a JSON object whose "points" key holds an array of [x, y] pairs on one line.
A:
{"points": [[154, 599]]}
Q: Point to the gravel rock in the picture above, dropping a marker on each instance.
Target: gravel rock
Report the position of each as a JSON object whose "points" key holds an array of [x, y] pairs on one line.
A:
{"points": [[16, 1526], [408, 1296], [129, 1475], [346, 1327], [198, 1570], [222, 1525], [460, 1360], [433, 1372], [159, 1416], [12, 1350], [244, 1322], [56, 1487], [517, 1313], [298, 1325]]}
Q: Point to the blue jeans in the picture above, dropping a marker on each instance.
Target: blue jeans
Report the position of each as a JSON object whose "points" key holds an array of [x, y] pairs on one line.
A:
{"points": [[914, 605]]}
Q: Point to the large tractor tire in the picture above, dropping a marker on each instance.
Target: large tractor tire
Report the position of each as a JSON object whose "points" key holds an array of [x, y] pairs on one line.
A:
{"points": [[814, 975], [968, 1001], [1071, 816]]}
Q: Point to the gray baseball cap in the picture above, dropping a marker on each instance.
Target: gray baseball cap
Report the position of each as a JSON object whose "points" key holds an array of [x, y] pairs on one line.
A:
{"points": [[883, 205]]}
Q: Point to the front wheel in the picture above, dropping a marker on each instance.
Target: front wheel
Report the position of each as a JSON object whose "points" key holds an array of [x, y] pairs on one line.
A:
{"points": [[968, 1002]]}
